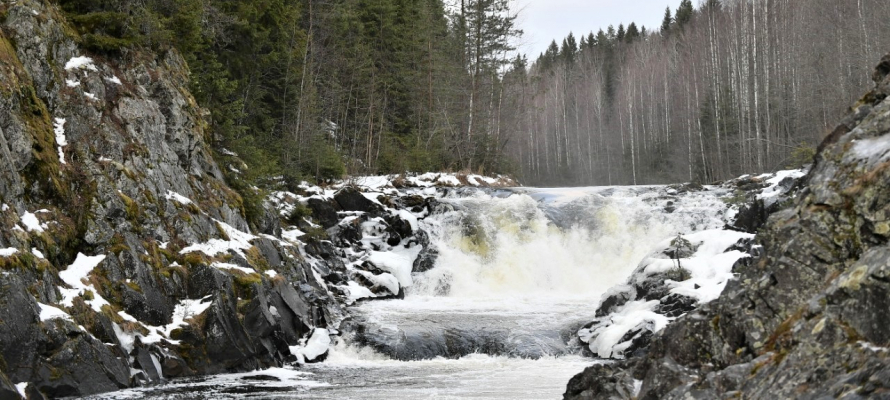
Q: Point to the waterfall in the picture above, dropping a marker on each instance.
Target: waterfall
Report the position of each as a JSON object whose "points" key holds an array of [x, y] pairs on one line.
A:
{"points": [[518, 271]]}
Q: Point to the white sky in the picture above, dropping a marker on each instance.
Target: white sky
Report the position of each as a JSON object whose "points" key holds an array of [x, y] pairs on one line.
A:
{"points": [[546, 20]]}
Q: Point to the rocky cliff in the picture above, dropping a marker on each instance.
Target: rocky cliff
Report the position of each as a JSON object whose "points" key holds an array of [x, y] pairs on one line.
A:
{"points": [[125, 258], [809, 316]]}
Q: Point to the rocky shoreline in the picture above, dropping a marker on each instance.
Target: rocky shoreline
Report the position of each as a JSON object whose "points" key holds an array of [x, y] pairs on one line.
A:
{"points": [[808, 315]]}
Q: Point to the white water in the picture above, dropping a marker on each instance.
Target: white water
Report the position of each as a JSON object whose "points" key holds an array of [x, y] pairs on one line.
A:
{"points": [[515, 278]]}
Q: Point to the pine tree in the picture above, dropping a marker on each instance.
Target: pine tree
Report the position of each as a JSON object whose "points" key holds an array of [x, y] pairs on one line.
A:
{"points": [[621, 33]]}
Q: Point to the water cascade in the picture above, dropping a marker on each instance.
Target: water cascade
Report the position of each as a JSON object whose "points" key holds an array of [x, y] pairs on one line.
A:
{"points": [[520, 271]]}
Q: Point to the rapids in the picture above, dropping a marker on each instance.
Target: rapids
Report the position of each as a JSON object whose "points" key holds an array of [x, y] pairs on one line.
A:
{"points": [[518, 272]]}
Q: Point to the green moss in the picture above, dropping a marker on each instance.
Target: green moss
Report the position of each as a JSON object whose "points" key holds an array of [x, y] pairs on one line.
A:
{"points": [[244, 283], [133, 285], [88, 295], [194, 259], [256, 259], [133, 211]]}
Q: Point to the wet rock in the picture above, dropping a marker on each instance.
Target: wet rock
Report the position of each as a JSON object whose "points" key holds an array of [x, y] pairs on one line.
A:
{"points": [[351, 199], [601, 381], [323, 212]]}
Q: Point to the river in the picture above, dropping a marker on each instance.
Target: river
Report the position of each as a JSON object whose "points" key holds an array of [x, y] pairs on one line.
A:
{"points": [[518, 272]]}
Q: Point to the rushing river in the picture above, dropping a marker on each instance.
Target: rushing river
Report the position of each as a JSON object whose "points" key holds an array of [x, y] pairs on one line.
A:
{"points": [[518, 273]]}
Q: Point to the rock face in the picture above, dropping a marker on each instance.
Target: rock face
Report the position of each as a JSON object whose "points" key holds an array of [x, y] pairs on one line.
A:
{"points": [[108, 159], [810, 316]]}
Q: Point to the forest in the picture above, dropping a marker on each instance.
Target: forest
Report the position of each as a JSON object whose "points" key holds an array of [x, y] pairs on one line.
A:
{"points": [[309, 89], [728, 88]]}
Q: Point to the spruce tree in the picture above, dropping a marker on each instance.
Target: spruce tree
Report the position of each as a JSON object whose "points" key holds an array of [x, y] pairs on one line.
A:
{"points": [[666, 22]]}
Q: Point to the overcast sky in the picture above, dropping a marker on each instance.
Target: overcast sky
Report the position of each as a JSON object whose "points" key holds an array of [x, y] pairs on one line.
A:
{"points": [[546, 20]]}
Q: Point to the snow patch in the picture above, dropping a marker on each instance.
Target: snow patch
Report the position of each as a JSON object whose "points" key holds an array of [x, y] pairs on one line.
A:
{"points": [[710, 267], [171, 195], [385, 280], [316, 346], [90, 96], [8, 252], [634, 315], [61, 141], [81, 62], [774, 189], [221, 265], [357, 292], [114, 79], [874, 150], [32, 224], [72, 84], [74, 276], [48, 312], [399, 261], [37, 253], [238, 242], [22, 387], [292, 235]]}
